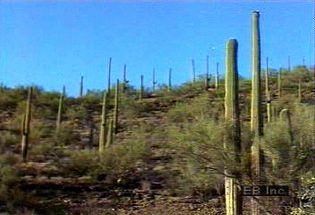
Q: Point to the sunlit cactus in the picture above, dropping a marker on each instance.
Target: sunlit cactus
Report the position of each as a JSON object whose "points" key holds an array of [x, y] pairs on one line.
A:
{"points": [[26, 124]]}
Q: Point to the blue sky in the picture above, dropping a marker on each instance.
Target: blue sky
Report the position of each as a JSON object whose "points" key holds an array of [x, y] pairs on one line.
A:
{"points": [[53, 43]]}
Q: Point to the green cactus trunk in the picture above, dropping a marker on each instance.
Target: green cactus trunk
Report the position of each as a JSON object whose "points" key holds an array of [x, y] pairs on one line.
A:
{"points": [[233, 197], [26, 125], [110, 134], [60, 110], [141, 88], [217, 76], [207, 74], [103, 131], [279, 83], [116, 106], [267, 92], [193, 70], [256, 112], [81, 87], [170, 79]]}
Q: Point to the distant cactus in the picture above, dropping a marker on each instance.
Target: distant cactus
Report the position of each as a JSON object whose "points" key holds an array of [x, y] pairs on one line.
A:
{"points": [[81, 87], [232, 116], [141, 88], [26, 124], [300, 91], [125, 81], [60, 110], [169, 79], [217, 76], [103, 131], [110, 133], [279, 83], [116, 106]]}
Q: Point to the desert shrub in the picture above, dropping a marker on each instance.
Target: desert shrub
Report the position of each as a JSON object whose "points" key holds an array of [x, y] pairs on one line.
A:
{"points": [[7, 139], [65, 135]]}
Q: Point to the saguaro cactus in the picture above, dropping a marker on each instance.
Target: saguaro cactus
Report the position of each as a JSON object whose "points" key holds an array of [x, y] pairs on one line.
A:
{"points": [[26, 124], [267, 92], [169, 79], [125, 81], [60, 110], [256, 113], [279, 83], [193, 68], [217, 76], [116, 106], [81, 87], [300, 91], [233, 198], [207, 74], [141, 88], [102, 137]]}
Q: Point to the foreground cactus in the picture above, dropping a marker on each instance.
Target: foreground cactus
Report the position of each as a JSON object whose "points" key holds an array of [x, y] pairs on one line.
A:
{"points": [[60, 110], [110, 133], [116, 106], [103, 133], [256, 113], [26, 124], [233, 198]]}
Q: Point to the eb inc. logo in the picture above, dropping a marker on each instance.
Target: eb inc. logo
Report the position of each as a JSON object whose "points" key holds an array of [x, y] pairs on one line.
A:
{"points": [[266, 190]]}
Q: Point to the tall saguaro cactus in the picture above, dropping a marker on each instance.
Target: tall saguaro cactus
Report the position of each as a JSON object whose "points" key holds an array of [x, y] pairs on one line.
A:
{"points": [[26, 124], [233, 198], [256, 113], [103, 133], [169, 79], [60, 109], [125, 81], [110, 132], [116, 106]]}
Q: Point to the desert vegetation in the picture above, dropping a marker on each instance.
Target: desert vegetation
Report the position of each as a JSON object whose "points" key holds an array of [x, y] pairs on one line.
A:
{"points": [[164, 149]]}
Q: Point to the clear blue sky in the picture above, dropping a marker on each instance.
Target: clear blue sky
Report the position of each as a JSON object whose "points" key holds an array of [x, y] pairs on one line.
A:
{"points": [[54, 43]]}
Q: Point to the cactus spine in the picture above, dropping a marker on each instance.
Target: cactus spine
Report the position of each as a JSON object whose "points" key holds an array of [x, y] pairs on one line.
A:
{"points": [[256, 114], [141, 88], [116, 106], [60, 109], [233, 196], [207, 74], [217, 76], [26, 124], [267, 92], [169, 79], [102, 137], [193, 70], [81, 87]]}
